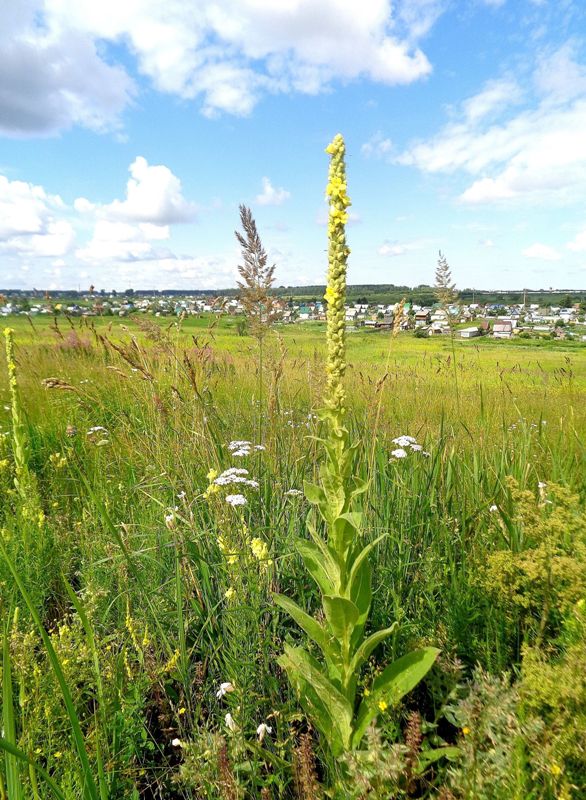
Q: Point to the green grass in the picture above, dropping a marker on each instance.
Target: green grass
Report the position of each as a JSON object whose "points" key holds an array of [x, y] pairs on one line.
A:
{"points": [[151, 635]]}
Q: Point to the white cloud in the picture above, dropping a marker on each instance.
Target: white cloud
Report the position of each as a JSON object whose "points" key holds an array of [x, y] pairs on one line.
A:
{"points": [[578, 243], [393, 249], [153, 194], [120, 241], [30, 223], [55, 70], [378, 146], [270, 196], [53, 77], [537, 153], [543, 252]]}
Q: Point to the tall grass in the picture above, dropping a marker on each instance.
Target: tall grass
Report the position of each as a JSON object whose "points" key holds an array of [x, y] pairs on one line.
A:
{"points": [[148, 635]]}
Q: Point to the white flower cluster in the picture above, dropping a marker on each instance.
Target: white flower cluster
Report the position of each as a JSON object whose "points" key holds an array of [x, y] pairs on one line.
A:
{"points": [[97, 429], [235, 475], [236, 500], [241, 447], [409, 442], [293, 493]]}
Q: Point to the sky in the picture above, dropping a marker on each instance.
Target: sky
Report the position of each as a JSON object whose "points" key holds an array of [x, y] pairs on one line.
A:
{"points": [[131, 130]]}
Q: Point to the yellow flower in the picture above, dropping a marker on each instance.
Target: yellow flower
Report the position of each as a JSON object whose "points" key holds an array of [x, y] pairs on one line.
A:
{"points": [[58, 754], [555, 769], [212, 475], [230, 593], [182, 710], [366, 692], [465, 730], [383, 705]]}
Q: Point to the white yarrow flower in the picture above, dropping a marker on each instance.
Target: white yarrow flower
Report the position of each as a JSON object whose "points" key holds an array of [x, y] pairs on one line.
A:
{"points": [[399, 453], [236, 499]]}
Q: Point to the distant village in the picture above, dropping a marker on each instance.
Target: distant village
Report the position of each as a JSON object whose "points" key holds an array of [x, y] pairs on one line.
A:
{"points": [[463, 319]]}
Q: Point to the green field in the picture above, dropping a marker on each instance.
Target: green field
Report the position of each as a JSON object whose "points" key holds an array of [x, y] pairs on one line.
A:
{"points": [[151, 591]]}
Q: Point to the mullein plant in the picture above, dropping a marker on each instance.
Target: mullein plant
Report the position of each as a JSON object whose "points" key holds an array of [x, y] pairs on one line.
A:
{"points": [[336, 553]]}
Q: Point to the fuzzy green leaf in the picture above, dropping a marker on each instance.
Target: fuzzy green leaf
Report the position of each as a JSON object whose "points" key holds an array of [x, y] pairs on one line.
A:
{"points": [[346, 530], [327, 707], [341, 615], [314, 493], [320, 565], [397, 680], [312, 628], [368, 645]]}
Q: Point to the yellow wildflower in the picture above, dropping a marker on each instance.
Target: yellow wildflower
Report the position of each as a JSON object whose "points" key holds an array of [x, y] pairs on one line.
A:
{"points": [[383, 705], [465, 730]]}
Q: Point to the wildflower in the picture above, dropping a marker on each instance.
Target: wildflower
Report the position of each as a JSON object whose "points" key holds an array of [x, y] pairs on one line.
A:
{"points": [[243, 451], [212, 475], [493, 508], [181, 710], [97, 429], [541, 485], [181, 496], [229, 720], [236, 499], [230, 593], [225, 688], [259, 549], [383, 705], [262, 730], [58, 754], [259, 447], [555, 769], [417, 448], [404, 441], [336, 284], [465, 730], [293, 493], [399, 453], [176, 743], [170, 520], [238, 444]]}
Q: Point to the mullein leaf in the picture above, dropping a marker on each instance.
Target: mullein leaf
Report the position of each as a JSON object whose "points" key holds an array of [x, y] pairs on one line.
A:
{"points": [[397, 680], [328, 708]]}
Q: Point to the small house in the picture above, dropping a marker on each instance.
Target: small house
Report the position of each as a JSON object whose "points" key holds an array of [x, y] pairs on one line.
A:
{"points": [[469, 333], [503, 329]]}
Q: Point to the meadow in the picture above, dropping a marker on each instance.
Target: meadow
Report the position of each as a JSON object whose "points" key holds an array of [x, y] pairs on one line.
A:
{"points": [[156, 593], [300, 562]]}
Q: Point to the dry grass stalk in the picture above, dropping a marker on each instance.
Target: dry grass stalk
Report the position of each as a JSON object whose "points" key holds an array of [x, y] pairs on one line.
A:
{"points": [[227, 783], [307, 786], [413, 740], [257, 276]]}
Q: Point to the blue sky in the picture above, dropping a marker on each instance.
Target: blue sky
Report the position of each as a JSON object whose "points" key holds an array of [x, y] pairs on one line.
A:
{"points": [[130, 132]]}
